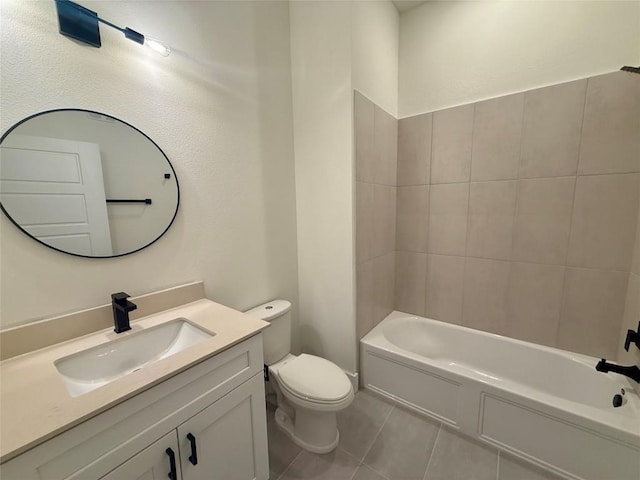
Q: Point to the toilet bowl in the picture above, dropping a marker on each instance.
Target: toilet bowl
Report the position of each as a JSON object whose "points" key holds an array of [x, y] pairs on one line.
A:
{"points": [[310, 390]]}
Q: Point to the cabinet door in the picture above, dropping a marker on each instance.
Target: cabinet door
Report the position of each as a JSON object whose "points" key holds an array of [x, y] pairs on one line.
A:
{"points": [[152, 463], [230, 437]]}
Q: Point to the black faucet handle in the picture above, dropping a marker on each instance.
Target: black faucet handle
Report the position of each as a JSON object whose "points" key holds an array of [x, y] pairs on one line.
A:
{"points": [[120, 298], [632, 337], [602, 365]]}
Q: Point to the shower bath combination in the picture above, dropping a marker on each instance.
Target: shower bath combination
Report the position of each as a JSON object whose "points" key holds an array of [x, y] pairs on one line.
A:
{"points": [[542, 404]]}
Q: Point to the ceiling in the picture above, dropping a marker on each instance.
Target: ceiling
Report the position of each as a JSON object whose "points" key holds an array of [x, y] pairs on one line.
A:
{"points": [[404, 5]]}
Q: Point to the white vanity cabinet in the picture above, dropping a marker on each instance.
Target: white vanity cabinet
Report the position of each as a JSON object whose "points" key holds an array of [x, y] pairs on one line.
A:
{"points": [[153, 463], [216, 406], [226, 436]]}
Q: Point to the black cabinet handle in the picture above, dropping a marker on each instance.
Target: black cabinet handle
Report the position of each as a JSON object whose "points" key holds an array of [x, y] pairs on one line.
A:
{"points": [[173, 474], [194, 452]]}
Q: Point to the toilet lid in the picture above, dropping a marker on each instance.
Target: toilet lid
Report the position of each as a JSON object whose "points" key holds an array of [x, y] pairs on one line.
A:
{"points": [[314, 378]]}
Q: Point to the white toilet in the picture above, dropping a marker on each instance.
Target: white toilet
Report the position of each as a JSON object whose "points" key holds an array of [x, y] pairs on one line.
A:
{"points": [[310, 390]]}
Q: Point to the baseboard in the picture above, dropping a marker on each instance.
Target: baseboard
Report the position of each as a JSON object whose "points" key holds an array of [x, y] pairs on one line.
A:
{"points": [[354, 378]]}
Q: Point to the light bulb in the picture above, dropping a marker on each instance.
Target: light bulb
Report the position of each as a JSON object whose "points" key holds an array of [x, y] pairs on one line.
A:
{"points": [[157, 46]]}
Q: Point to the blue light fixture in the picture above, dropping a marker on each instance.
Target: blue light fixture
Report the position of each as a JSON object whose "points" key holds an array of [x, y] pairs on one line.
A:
{"points": [[81, 24]]}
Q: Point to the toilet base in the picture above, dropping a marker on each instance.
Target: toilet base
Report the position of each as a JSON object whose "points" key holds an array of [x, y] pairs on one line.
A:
{"points": [[316, 432]]}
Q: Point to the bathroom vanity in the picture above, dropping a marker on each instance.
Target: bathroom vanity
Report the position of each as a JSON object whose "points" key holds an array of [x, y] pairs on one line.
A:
{"points": [[199, 413]]}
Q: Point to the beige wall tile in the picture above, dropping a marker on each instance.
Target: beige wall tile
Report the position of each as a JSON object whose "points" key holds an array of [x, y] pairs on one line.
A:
{"points": [[541, 223], [364, 221], [485, 294], [385, 147], [384, 277], [635, 264], [534, 302], [604, 221], [411, 279], [364, 298], [497, 132], [551, 133], [412, 218], [384, 220], [491, 215], [363, 120], [451, 145], [414, 150], [611, 129], [445, 280], [543, 220], [592, 310], [630, 322], [448, 215]]}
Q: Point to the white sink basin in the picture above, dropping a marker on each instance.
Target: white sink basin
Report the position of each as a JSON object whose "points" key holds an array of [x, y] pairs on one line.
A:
{"points": [[87, 370]]}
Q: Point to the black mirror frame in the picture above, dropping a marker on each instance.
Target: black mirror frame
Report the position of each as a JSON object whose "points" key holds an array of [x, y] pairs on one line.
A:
{"points": [[175, 213]]}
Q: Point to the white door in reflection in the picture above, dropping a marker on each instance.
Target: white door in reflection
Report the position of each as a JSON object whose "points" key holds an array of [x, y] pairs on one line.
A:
{"points": [[54, 190]]}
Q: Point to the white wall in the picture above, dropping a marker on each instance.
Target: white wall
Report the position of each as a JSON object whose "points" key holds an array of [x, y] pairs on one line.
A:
{"points": [[321, 72], [454, 53], [335, 47], [374, 43], [219, 107]]}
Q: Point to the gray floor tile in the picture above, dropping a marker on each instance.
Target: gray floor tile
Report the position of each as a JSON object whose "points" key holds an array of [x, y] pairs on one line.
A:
{"points": [[366, 473], [456, 457], [402, 449], [337, 465], [511, 468], [282, 450], [360, 422]]}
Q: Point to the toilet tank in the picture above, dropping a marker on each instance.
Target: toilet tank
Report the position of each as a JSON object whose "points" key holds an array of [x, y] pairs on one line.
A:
{"points": [[276, 340]]}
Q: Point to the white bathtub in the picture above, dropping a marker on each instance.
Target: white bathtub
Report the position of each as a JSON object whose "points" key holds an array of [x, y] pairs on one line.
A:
{"points": [[542, 404]]}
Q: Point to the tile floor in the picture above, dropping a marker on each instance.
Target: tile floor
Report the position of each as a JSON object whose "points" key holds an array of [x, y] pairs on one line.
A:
{"points": [[380, 440]]}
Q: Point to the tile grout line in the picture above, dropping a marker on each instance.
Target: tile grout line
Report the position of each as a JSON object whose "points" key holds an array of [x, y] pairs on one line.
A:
{"points": [[290, 463], [359, 463], [466, 233], [426, 280], [575, 184], [573, 206], [433, 450], [517, 261], [426, 273], [546, 177], [375, 437], [510, 274]]}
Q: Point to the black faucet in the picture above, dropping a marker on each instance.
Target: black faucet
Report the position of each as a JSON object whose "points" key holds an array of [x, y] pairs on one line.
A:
{"points": [[632, 337], [121, 308], [632, 372]]}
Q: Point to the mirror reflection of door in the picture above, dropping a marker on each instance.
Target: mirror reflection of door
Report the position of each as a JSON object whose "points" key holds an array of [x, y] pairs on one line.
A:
{"points": [[86, 183], [55, 191]]}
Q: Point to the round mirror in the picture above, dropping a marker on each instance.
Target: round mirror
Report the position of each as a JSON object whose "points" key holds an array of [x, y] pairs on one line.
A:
{"points": [[86, 183]]}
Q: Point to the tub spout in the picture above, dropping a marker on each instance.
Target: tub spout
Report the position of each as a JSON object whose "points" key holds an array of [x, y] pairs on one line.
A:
{"points": [[632, 372]]}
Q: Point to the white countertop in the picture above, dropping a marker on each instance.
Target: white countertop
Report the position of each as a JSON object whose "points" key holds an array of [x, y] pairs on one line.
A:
{"points": [[35, 404]]}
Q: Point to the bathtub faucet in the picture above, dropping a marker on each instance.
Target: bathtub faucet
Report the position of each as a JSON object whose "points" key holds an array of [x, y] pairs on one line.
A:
{"points": [[632, 337], [632, 372]]}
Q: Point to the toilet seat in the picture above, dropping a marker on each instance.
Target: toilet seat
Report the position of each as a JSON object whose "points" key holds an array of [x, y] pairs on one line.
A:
{"points": [[314, 382]]}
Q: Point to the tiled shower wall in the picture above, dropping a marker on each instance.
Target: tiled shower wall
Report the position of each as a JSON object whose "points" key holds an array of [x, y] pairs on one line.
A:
{"points": [[632, 307], [376, 150], [518, 215]]}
